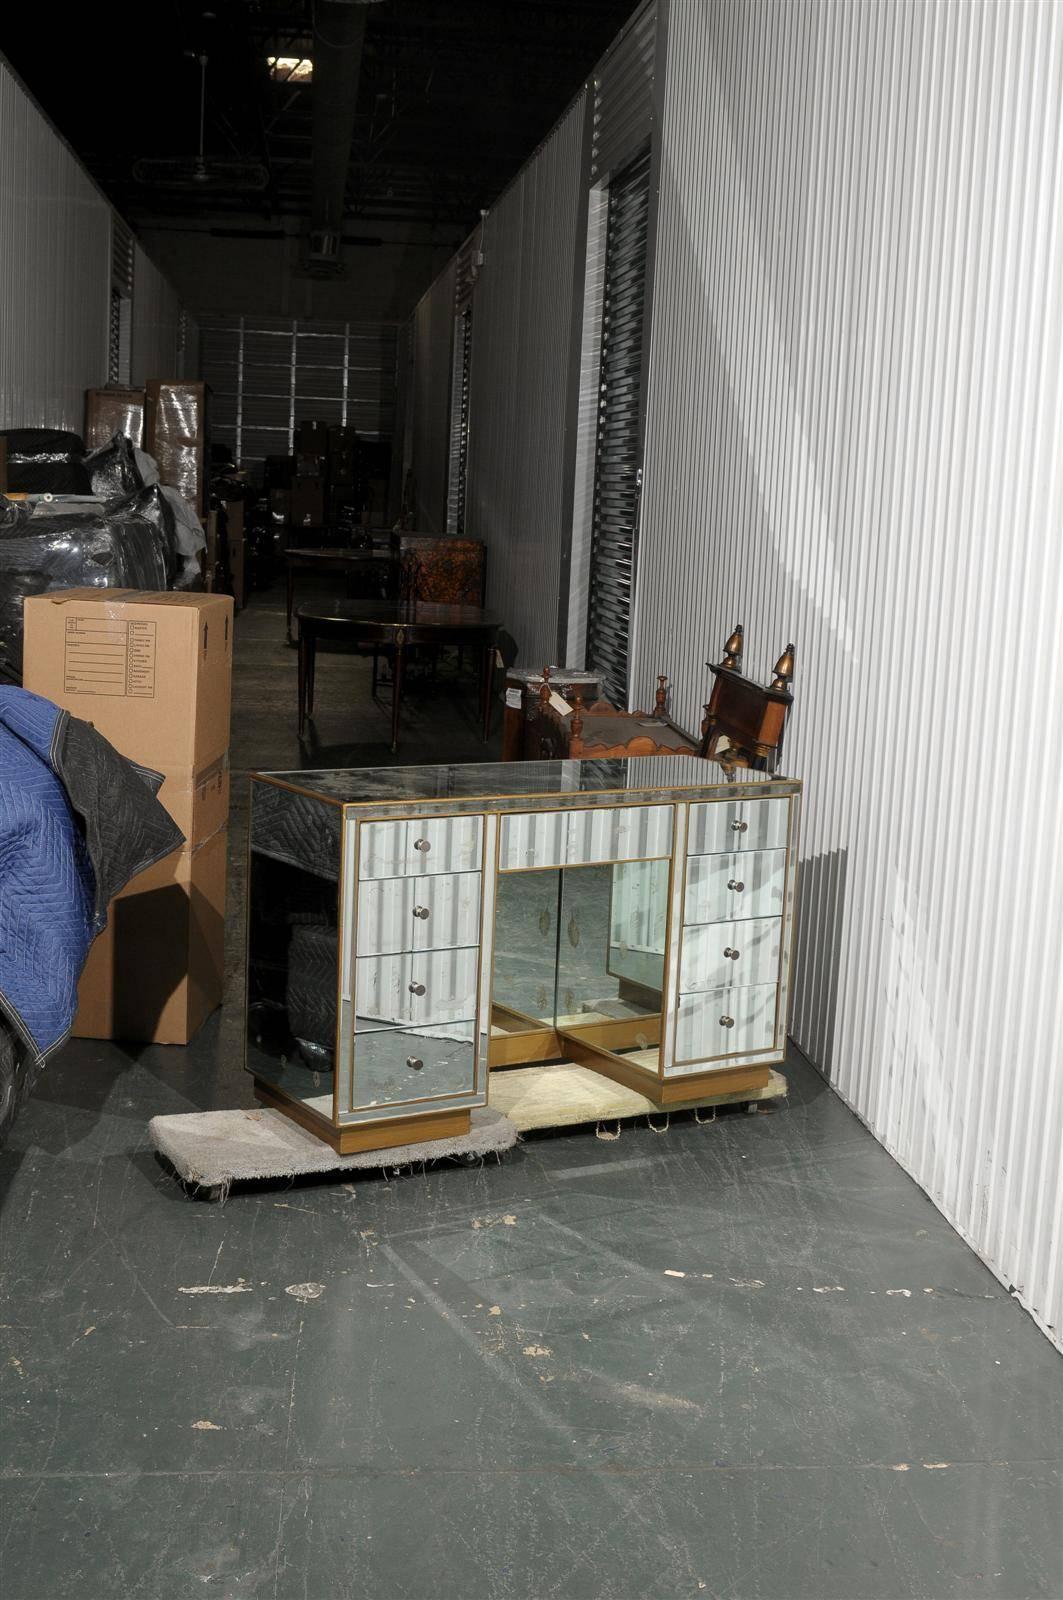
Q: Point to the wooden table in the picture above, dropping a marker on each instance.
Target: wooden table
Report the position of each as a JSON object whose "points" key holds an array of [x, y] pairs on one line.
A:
{"points": [[337, 560], [393, 626]]}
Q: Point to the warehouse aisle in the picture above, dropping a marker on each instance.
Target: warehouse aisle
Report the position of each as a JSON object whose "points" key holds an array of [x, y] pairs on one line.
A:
{"points": [[747, 1359]]}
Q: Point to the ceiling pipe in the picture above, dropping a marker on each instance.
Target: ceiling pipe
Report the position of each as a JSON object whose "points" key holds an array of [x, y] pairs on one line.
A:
{"points": [[339, 31]]}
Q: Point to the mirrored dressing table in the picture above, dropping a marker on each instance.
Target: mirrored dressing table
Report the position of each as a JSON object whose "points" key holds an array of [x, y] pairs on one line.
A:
{"points": [[411, 929]]}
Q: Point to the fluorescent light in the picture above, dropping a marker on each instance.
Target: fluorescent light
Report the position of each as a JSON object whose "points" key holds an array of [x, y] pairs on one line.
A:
{"points": [[290, 69]]}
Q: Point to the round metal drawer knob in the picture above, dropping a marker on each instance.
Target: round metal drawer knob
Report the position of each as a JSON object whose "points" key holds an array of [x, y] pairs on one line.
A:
{"points": [[736, 884], [727, 1022], [414, 1063], [417, 988], [423, 845], [732, 955], [739, 827], [422, 912]]}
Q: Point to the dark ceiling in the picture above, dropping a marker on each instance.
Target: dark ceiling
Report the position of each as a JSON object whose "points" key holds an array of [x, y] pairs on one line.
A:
{"points": [[453, 96]]}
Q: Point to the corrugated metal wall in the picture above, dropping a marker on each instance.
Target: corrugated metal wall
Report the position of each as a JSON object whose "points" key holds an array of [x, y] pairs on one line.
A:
{"points": [[855, 440], [522, 311], [156, 323], [428, 402], [55, 229], [56, 235]]}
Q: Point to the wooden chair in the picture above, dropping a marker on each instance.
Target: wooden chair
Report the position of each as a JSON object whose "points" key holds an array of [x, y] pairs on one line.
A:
{"points": [[440, 571], [744, 724], [444, 570]]}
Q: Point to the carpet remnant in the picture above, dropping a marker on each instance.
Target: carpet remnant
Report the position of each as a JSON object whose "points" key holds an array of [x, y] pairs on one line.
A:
{"points": [[214, 1149]]}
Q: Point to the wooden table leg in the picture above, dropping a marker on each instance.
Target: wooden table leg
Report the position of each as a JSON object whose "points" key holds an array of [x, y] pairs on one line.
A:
{"points": [[291, 598], [311, 669], [398, 668], [486, 682], [304, 646]]}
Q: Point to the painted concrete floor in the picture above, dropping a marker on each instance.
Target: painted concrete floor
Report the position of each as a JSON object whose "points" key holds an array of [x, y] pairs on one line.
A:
{"points": [[746, 1360]]}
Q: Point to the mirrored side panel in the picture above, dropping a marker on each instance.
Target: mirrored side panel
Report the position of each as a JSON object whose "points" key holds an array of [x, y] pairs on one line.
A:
{"points": [[526, 934], [614, 927], [293, 944]]}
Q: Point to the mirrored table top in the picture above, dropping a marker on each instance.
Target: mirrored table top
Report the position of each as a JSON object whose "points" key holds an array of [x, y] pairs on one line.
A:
{"points": [[502, 780]]}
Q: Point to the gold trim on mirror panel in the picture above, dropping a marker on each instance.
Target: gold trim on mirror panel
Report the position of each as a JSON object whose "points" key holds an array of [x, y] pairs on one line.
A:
{"points": [[582, 799], [523, 1049], [363, 1112], [350, 1138], [777, 1049], [669, 1090], [620, 1033]]}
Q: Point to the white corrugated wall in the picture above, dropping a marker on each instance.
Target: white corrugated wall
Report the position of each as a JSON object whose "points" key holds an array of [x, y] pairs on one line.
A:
{"points": [[156, 323], [428, 401], [522, 310], [55, 246], [855, 440]]}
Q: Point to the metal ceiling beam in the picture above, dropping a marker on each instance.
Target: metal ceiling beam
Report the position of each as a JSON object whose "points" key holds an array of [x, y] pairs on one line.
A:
{"points": [[339, 33]]}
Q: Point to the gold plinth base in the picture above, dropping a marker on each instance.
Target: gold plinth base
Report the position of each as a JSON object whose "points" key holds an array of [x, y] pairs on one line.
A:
{"points": [[369, 1135]]}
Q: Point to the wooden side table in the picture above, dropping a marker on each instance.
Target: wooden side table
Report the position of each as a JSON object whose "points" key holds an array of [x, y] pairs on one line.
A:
{"points": [[394, 626]]}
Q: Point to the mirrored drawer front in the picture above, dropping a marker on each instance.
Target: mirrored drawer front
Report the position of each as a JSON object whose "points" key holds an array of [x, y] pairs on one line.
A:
{"points": [[418, 987], [725, 1022], [735, 887], [738, 825], [419, 847], [628, 833], [430, 913], [537, 840], [722, 955], [405, 1064], [578, 838]]}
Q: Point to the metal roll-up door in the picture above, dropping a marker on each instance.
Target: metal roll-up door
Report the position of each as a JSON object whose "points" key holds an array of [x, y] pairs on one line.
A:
{"points": [[617, 469], [268, 374], [459, 422]]}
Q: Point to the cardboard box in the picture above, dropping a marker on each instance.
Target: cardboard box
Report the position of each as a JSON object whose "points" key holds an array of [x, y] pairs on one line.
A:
{"points": [[277, 472], [236, 552], [176, 434], [311, 439], [152, 672], [156, 972], [377, 490], [307, 503], [198, 800], [113, 410]]}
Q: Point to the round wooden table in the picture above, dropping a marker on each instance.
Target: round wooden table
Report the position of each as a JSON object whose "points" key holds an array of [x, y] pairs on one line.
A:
{"points": [[381, 562], [392, 626]]}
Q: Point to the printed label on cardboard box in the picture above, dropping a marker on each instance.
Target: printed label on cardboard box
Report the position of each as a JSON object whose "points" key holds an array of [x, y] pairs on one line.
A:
{"points": [[102, 655]]}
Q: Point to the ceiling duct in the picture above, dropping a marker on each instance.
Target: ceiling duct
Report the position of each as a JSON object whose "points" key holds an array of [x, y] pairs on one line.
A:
{"points": [[339, 30]]}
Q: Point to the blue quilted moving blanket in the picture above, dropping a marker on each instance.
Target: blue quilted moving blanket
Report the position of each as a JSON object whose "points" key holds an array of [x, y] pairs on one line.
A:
{"points": [[77, 821]]}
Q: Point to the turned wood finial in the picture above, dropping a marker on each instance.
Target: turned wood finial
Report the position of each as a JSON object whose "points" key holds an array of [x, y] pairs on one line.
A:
{"points": [[575, 727], [660, 699], [784, 669], [544, 688], [732, 650]]}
